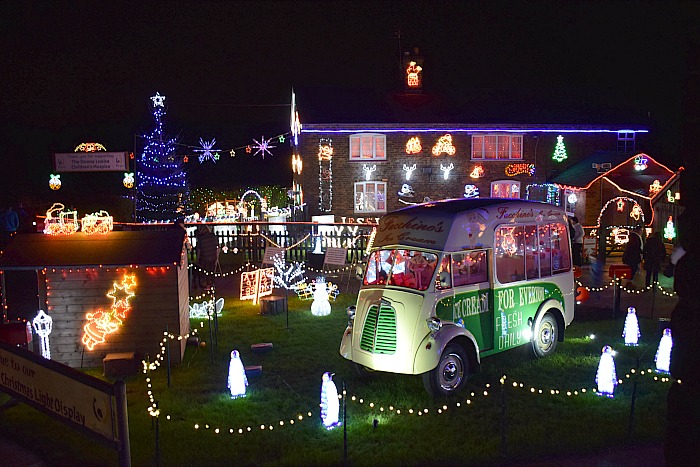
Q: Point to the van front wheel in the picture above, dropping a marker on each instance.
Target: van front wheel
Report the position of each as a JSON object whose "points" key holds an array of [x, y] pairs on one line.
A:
{"points": [[544, 342], [451, 373]]}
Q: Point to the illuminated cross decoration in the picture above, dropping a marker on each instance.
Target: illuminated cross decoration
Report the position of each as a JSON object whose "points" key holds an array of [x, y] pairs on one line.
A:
{"points": [[263, 146], [446, 170], [121, 294], [409, 170], [43, 324], [208, 151], [158, 100], [368, 170]]}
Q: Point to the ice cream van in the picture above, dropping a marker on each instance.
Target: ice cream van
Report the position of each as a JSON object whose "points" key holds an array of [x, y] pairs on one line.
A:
{"points": [[449, 282]]}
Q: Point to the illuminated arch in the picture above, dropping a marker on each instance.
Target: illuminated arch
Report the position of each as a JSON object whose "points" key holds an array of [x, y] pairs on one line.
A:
{"points": [[615, 200]]}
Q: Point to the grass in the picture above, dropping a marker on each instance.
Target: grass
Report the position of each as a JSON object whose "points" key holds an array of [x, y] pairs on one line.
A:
{"points": [[510, 423]]}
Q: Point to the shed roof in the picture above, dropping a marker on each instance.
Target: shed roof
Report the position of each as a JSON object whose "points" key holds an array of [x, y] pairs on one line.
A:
{"points": [[115, 249]]}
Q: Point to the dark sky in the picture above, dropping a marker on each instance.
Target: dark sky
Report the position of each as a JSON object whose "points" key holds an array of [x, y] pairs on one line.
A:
{"points": [[74, 71]]}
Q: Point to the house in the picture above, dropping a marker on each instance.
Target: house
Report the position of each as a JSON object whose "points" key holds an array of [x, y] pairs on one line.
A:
{"points": [[105, 293]]}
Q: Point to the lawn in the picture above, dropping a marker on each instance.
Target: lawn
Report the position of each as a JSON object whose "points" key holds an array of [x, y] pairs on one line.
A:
{"points": [[544, 407]]}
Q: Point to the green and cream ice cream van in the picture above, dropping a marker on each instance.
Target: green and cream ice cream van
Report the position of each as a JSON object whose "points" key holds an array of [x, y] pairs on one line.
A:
{"points": [[449, 282]]}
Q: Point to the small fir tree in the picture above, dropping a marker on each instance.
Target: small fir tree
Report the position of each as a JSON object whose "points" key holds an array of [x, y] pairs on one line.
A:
{"points": [[559, 150]]}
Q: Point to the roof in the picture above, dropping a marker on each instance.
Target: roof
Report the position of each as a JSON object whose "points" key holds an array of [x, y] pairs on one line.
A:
{"points": [[621, 172], [115, 249]]}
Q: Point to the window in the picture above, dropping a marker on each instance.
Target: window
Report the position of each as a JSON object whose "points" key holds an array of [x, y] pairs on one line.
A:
{"points": [[570, 199], [625, 141], [370, 197], [402, 268], [367, 146], [509, 251], [505, 189], [469, 268], [497, 147]]}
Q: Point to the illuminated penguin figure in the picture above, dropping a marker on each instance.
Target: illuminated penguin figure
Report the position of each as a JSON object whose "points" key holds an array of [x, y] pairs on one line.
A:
{"points": [[330, 406], [606, 378], [631, 332], [237, 380], [321, 306], [663, 353]]}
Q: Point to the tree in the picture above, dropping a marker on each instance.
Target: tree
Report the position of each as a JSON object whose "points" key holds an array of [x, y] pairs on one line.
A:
{"points": [[559, 150], [161, 184]]}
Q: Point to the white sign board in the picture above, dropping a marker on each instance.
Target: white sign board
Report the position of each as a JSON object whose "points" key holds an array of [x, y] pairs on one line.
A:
{"points": [[335, 256], [271, 252], [56, 393], [99, 161]]}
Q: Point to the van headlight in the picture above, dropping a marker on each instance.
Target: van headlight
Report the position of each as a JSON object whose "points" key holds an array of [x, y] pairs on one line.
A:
{"points": [[434, 324], [351, 314]]}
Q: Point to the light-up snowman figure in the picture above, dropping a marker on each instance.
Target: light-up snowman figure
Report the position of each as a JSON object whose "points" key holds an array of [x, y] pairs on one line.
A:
{"points": [[321, 305]]}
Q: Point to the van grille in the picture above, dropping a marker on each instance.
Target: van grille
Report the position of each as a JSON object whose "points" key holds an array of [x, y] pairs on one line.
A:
{"points": [[379, 332]]}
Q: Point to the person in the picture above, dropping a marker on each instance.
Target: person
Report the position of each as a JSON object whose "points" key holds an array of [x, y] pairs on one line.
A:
{"points": [[577, 241], [632, 255], [681, 446], [654, 254]]}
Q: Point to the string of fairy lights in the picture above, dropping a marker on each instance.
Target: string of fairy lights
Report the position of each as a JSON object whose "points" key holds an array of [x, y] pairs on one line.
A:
{"points": [[629, 290]]}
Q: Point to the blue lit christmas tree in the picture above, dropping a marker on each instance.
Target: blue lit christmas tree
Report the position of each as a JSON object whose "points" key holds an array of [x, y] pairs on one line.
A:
{"points": [[161, 183]]}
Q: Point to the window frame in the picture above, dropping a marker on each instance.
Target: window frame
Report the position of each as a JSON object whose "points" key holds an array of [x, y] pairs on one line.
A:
{"points": [[511, 183], [479, 151], [626, 141], [376, 192], [376, 137]]}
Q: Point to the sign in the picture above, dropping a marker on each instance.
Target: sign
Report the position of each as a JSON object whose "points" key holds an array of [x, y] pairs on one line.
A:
{"points": [[590, 247], [91, 161], [65, 394], [271, 252], [335, 256], [256, 284]]}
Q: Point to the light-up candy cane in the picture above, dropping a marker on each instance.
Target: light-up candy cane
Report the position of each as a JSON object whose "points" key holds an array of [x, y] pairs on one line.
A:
{"points": [[409, 170], [43, 324]]}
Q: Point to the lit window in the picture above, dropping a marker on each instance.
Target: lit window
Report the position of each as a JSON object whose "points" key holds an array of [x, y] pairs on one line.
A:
{"points": [[367, 146], [497, 147], [625, 141], [570, 200], [370, 197], [505, 189]]}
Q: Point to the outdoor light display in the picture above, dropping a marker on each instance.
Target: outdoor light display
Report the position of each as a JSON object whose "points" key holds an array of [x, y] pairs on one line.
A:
{"points": [[663, 353], [296, 164], [654, 188], [636, 212], [261, 147], [620, 204], [444, 145], [55, 182], [65, 224], [207, 151], [406, 190], [330, 404], [89, 147], [128, 180], [43, 324], [206, 309], [97, 223], [256, 284], [669, 230], [640, 162], [409, 171], [559, 150], [606, 378], [368, 170], [446, 170], [237, 380], [478, 172], [102, 323], [413, 77], [631, 332], [321, 292], [161, 189], [520, 169], [413, 146], [669, 197], [325, 175], [287, 277], [471, 191]]}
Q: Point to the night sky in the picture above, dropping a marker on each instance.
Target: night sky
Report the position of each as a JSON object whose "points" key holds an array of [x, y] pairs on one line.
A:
{"points": [[84, 71]]}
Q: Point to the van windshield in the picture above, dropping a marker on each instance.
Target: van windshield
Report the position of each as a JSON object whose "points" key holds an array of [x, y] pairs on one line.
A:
{"points": [[403, 268]]}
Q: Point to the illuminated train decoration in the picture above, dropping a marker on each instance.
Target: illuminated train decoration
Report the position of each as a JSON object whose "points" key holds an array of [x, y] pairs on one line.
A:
{"points": [[61, 222]]}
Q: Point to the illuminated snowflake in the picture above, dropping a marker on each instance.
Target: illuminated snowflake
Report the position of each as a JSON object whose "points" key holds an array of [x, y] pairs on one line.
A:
{"points": [[263, 146], [208, 151]]}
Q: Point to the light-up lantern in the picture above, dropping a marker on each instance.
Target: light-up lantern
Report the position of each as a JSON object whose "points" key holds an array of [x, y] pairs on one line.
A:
{"points": [[670, 230], [663, 353], [237, 380], [128, 180], [446, 170], [413, 146], [409, 170], [606, 377], [43, 324], [631, 332], [54, 181], [330, 404], [444, 145]]}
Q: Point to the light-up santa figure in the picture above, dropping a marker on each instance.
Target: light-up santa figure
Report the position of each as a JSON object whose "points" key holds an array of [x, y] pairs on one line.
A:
{"points": [[631, 332], [43, 324], [330, 406], [663, 353], [606, 378], [321, 305], [237, 380]]}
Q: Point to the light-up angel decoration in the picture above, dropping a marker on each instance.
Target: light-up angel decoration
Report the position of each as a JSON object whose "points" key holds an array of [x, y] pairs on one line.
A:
{"points": [[43, 324], [321, 292]]}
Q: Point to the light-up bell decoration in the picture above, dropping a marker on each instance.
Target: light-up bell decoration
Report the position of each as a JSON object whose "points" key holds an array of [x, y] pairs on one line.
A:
{"points": [[128, 180], [631, 332], [97, 223], [237, 380], [444, 145], [55, 182], [606, 377], [663, 353], [330, 404], [43, 325], [478, 172]]}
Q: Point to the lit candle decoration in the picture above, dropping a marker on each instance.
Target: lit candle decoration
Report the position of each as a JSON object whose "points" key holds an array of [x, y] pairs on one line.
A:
{"points": [[663, 353], [237, 380], [606, 378], [330, 405], [631, 332], [43, 324]]}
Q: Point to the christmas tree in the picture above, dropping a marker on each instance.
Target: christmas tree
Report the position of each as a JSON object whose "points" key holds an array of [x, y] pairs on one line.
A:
{"points": [[559, 150], [161, 183]]}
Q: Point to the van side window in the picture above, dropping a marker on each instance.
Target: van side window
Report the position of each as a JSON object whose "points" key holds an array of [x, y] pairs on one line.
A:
{"points": [[532, 257], [469, 267], [561, 259], [545, 250], [509, 249], [443, 279]]}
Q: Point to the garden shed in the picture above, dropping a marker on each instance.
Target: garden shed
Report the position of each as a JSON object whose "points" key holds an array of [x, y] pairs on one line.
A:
{"points": [[109, 293]]}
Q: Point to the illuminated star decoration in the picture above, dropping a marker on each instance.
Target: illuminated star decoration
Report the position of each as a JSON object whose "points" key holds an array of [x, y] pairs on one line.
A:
{"points": [[233, 153], [158, 100], [263, 146], [208, 151], [121, 294]]}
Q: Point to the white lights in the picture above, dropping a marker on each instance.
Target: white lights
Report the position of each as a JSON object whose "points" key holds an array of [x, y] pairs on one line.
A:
{"points": [[471, 191], [446, 170], [631, 332], [158, 100], [409, 171], [663, 353], [606, 378], [368, 170], [43, 324], [330, 404], [237, 380]]}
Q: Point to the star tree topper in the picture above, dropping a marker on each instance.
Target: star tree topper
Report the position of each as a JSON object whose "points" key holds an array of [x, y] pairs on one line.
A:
{"points": [[158, 100]]}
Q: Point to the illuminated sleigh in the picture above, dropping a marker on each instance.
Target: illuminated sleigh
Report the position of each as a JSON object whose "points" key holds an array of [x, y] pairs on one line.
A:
{"points": [[97, 223], [66, 223]]}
